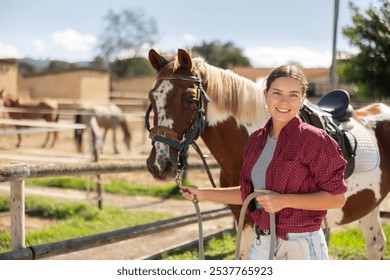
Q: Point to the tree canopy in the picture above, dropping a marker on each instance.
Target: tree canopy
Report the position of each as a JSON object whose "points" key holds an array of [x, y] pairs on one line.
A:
{"points": [[224, 55], [126, 33], [369, 69]]}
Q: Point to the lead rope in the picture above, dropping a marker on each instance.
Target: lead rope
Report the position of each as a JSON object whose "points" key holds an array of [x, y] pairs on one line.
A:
{"points": [[179, 182], [241, 223]]}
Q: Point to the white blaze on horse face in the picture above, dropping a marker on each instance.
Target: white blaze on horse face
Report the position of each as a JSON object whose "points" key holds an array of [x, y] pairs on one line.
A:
{"points": [[160, 96]]}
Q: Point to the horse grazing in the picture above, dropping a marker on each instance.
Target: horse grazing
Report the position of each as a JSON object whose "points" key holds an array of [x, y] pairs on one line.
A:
{"points": [[108, 116], [179, 104], [32, 109]]}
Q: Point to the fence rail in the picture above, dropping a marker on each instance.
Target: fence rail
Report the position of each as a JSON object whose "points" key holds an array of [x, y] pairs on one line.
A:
{"points": [[16, 175], [67, 246]]}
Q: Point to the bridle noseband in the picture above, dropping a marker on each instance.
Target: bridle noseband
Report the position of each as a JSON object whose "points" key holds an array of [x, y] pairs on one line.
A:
{"points": [[168, 136]]}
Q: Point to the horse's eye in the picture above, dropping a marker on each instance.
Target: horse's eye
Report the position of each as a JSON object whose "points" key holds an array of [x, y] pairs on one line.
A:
{"points": [[191, 99]]}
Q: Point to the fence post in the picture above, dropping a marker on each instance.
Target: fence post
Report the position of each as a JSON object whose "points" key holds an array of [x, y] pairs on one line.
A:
{"points": [[17, 215], [97, 142]]}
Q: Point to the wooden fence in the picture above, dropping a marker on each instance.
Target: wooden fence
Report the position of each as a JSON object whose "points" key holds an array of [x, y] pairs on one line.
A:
{"points": [[17, 173]]}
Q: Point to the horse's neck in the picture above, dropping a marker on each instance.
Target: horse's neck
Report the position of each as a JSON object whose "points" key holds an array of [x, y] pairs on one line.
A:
{"points": [[235, 96], [225, 141]]}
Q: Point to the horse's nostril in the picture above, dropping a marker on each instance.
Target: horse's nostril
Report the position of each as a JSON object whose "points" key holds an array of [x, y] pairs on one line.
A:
{"points": [[168, 167]]}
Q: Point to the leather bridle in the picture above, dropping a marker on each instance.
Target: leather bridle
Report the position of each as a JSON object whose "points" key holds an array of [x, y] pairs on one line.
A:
{"points": [[168, 136]]}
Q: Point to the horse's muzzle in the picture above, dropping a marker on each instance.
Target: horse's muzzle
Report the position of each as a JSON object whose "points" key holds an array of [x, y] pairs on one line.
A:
{"points": [[165, 171]]}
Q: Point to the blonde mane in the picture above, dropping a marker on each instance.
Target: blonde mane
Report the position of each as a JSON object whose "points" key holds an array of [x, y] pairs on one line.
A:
{"points": [[239, 96]]}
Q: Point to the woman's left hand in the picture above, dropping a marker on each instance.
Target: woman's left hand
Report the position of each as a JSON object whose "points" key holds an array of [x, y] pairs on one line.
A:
{"points": [[271, 201]]}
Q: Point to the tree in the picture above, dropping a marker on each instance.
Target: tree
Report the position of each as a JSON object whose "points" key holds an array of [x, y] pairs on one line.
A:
{"points": [[137, 66], [26, 68], [369, 70], [221, 55], [55, 65], [125, 34], [98, 62]]}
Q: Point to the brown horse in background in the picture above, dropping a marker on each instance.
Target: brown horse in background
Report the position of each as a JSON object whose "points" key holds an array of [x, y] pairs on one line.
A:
{"points": [[32, 109]]}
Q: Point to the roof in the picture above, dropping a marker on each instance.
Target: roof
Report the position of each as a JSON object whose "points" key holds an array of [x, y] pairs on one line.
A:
{"points": [[8, 61], [62, 71]]}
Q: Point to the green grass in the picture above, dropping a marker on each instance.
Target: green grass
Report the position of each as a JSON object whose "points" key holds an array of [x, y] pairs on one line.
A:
{"points": [[168, 190], [221, 248], [75, 220], [350, 245]]}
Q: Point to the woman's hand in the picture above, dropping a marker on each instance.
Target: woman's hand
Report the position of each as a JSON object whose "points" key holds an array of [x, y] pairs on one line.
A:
{"points": [[190, 193], [271, 202]]}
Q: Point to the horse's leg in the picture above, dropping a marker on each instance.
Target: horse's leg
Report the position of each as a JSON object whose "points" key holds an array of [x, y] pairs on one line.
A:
{"points": [[47, 139], [104, 138], [79, 139], [55, 138], [19, 137], [373, 234], [114, 140]]}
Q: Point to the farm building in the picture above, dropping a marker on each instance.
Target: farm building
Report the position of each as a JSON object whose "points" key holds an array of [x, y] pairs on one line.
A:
{"points": [[69, 87], [9, 75]]}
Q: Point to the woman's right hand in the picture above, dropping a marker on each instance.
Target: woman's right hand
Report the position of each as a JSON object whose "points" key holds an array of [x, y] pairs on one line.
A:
{"points": [[190, 193]]}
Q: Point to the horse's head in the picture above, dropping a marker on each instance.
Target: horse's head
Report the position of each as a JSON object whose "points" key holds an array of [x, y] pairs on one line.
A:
{"points": [[178, 104], [8, 100]]}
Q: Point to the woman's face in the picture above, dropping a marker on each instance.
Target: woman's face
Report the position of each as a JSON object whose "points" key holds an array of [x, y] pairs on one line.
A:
{"points": [[284, 99]]}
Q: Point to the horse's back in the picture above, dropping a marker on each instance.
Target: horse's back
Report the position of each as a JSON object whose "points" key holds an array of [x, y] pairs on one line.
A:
{"points": [[109, 115], [48, 103]]}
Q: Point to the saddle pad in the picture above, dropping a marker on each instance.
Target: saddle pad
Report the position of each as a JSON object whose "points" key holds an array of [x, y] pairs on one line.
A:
{"points": [[367, 153]]}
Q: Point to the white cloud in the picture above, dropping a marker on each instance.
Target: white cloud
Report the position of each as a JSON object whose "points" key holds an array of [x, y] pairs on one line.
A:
{"points": [[39, 45], [189, 37], [8, 51], [275, 56], [74, 41]]}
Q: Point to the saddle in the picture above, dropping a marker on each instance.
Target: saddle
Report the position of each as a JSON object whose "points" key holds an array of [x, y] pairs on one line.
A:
{"points": [[330, 111]]}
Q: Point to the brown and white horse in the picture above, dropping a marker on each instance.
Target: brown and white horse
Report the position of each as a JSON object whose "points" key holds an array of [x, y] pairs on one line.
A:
{"points": [[32, 109], [236, 110]]}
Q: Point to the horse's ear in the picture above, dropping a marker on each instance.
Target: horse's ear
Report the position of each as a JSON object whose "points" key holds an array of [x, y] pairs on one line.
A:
{"points": [[157, 60], [185, 60]]}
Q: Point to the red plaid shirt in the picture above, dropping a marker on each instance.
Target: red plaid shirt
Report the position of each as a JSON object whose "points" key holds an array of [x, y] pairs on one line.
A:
{"points": [[305, 160]]}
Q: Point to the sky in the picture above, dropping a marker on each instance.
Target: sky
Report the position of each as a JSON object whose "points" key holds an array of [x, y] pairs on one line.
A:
{"points": [[269, 32]]}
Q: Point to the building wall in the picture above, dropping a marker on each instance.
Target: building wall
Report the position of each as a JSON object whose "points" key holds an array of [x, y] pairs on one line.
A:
{"points": [[70, 87], [95, 86], [64, 85], [138, 85], [9, 75]]}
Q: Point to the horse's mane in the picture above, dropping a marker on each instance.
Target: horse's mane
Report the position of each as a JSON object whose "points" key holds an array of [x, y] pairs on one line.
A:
{"points": [[241, 97]]}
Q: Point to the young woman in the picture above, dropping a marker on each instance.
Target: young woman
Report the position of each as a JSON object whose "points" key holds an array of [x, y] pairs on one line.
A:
{"points": [[298, 168]]}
